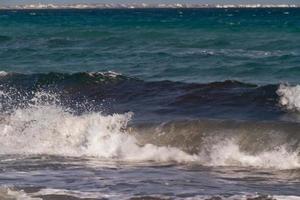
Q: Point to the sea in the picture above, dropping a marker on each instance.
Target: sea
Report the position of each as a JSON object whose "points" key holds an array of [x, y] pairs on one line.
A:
{"points": [[150, 104]]}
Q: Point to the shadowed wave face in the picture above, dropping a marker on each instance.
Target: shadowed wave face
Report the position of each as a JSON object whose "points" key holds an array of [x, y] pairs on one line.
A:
{"points": [[115, 93]]}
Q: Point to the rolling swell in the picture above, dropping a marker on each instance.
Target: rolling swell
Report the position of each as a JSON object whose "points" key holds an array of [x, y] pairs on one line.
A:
{"points": [[115, 93]]}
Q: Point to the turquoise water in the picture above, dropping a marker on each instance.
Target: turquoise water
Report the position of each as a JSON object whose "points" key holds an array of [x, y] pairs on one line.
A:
{"points": [[191, 45]]}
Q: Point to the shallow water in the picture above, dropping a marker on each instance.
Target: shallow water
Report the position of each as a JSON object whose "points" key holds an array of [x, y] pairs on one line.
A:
{"points": [[96, 179]]}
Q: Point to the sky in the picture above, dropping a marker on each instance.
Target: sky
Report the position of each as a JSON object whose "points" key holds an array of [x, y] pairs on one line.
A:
{"points": [[15, 2]]}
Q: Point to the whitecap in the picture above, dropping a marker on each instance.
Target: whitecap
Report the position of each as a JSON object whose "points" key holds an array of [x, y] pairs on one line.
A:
{"points": [[289, 96]]}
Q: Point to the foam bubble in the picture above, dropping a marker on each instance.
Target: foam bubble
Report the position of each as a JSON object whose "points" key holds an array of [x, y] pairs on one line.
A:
{"points": [[3, 73], [289, 96], [9, 193], [111, 74], [228, 153]]}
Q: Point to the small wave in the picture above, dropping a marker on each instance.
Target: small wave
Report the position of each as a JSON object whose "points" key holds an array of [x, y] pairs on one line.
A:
{"points": [[59, 42], [3, 73], [59, 79], [107, 74], [229, 153], [8, 193], [289, 96], [229, 143], [236, 53]]}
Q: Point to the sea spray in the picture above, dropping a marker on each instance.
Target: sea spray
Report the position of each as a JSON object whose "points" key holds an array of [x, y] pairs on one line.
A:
{"points": [[49, 129], [289, 96]]}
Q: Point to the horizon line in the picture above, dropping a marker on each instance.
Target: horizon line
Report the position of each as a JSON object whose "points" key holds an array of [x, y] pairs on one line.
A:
{"points": [[144, 5]]}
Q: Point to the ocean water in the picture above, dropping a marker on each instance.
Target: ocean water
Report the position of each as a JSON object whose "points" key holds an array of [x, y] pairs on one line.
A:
{"points": [[150, 104]]}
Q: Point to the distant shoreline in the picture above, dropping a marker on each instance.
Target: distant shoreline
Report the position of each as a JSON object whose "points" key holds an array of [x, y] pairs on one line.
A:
{"points": [[141, 6]]}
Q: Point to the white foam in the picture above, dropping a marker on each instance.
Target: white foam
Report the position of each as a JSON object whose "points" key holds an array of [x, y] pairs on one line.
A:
{"points": [[7, 193], [280, 197], [10, 193], [51, 130], [228, 153], [289, 96], [244, 197], [74, 193], [46, 128], [111, 74], [3, 73]]}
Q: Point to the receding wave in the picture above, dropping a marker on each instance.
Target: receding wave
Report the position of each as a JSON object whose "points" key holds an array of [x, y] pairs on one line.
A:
{"points": [[7, 193]]}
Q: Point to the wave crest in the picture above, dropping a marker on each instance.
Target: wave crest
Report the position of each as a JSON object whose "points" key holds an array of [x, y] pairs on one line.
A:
{"points": [[49, 129], [289, 96]]}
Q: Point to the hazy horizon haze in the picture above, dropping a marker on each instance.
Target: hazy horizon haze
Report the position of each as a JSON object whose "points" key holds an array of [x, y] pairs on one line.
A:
{"points": [[19, 2]]}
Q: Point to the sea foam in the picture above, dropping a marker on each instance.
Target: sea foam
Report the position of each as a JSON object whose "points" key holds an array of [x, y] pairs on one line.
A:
{"points": [[13, 193], [289, 96], [48, 128]]}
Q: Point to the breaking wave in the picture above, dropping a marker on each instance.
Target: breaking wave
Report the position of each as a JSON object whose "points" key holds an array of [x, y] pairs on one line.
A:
{"points": [[289, 96], [37, 119], [50, 129]]}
